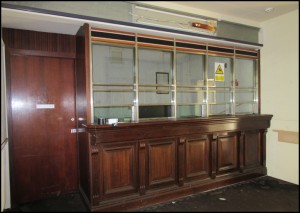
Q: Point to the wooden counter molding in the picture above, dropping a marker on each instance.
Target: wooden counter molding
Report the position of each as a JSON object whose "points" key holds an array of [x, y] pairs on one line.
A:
{"points": [[132, 165]]}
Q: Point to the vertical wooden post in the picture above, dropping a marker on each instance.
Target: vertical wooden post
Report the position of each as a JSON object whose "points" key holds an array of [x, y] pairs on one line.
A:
{"points": [[142, 167], [263, 133], [214, 156], [242, 151], [181, 161]]}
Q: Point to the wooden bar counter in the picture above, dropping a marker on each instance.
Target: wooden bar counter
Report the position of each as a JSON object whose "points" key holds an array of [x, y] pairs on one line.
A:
{"points": [[132, 165]]}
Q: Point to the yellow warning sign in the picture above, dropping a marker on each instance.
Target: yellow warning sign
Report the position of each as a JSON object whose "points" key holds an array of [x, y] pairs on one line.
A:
{"points": [[219, 71], [219, 78]]}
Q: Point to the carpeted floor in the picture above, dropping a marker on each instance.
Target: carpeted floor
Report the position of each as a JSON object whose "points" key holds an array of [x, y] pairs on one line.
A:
{"points": [[264, 194]]}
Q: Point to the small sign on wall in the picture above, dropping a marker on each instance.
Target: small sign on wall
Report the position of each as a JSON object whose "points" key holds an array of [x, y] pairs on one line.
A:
{"points": [[45, 106], [219, 71]]}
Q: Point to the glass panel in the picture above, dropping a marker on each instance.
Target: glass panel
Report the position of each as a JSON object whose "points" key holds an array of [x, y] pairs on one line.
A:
{"points": [[122, 113], [113, 77], [112, 98], [190, 84], [155, 79], [245, 85], [220, 109], [189, 111], [112, 64], [246, 108], [219, 85], [242, 96], [189, 68], [245, 73]]}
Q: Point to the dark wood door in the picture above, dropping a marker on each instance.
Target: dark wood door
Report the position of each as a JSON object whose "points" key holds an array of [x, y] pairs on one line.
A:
{"points": [[43, 150]]}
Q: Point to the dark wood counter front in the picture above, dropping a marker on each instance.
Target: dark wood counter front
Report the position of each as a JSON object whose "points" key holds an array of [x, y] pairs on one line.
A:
{"points": [[136, 164]]}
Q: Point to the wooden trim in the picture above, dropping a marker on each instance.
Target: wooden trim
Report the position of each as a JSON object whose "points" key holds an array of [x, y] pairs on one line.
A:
{"points": [[221, 46], [245, 56], [87, 46], [111, 31], [288, 136], [190, 42], [214, 156], [242, 151], [107, 40], [155, 37], [155, 46], [247, 50], [213, 53], [182, 49], [41, 53]]}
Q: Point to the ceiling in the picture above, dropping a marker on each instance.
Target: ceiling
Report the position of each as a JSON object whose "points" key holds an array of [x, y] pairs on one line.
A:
{"points": [[250, 10], [253, 10]]}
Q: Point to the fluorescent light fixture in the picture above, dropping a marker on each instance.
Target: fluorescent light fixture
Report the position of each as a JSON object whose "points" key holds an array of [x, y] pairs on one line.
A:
{"points": [[170, 13]]}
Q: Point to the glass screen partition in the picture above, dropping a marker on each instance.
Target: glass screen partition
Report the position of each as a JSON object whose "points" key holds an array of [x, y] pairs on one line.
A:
{"points": [[190, 88], [134, 80], [155, 81], [220, 85], [245, 86], [113, 79]]}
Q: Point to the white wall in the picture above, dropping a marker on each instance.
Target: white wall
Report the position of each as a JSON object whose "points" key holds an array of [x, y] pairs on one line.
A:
{"points": [[280, 92]]}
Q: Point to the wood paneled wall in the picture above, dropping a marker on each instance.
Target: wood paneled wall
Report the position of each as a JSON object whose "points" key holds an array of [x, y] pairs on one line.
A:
{"points": [[40, 41]]}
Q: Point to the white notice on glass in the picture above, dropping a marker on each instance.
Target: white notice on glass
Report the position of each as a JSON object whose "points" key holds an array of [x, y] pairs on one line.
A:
{"points": [[45, 106]]}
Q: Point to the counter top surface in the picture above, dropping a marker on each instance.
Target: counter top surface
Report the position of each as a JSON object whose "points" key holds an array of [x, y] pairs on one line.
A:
{"points": [[165, 121]]}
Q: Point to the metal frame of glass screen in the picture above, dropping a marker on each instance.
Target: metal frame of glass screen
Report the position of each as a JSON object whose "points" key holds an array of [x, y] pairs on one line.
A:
{"points": [[173, 85]]}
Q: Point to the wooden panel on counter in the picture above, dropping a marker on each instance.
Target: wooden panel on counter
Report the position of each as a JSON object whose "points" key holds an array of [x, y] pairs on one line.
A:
{"points": [[144, 163], [161, 162], [197, 157]]}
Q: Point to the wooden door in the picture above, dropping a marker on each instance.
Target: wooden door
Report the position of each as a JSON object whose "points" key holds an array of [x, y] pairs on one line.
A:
{"points": [[43, 149]]}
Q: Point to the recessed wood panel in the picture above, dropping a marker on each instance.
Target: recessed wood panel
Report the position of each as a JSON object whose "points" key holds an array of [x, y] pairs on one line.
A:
{"points": [[162, 162], [197, 157], [227, 153], [252, 148], [39, 41], [119, 171]]}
